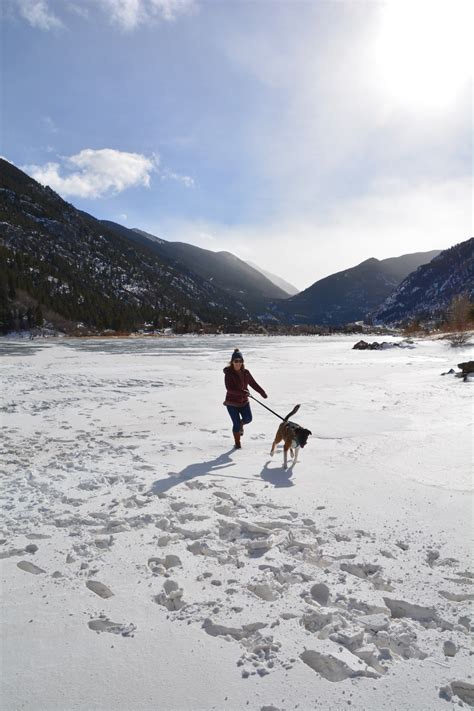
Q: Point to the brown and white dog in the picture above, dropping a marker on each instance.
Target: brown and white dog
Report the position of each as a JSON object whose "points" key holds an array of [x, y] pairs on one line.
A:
{"points": [[293, 437]]}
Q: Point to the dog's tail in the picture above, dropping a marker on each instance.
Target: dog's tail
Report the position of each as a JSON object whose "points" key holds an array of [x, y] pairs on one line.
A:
{"points": [[295, 409]]}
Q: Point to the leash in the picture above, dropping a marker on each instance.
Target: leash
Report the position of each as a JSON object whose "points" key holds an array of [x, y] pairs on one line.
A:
{"points": [[266, 408]]}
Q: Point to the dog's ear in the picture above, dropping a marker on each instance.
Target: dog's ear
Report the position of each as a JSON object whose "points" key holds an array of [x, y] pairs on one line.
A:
{"points": [[309, 432]]}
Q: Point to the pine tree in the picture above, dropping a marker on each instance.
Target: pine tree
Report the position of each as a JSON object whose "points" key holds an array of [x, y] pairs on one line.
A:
{"points": [[38, 316]]}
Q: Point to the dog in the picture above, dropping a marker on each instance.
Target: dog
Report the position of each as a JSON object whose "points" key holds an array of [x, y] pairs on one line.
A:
{"points": [[293, 437]]}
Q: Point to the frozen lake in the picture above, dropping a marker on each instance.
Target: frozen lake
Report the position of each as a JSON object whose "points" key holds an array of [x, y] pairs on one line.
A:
{"points": [[118, 453]]}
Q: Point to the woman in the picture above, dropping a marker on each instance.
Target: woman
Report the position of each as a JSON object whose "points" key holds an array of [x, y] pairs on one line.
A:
{"points": [[237, 381]]}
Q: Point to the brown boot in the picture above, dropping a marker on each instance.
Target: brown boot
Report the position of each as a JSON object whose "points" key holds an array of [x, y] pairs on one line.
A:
{"points": [[237, 440]]}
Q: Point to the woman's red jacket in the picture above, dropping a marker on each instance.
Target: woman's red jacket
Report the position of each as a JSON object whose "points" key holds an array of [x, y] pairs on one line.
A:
{"points": [[236, 383]]}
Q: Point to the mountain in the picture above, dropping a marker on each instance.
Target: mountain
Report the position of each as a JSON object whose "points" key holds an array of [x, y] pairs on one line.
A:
{"points": [[401, 267], [428, 291], [224, 269], [62, 264], [351, 294], [58, 261], [153, 238], [288, 288]]}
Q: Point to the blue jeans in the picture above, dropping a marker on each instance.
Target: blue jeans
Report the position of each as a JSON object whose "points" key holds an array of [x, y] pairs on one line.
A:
{"points": [[239, 416]]}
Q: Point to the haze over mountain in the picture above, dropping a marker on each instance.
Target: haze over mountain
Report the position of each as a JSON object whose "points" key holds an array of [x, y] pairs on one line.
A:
{"points": [[427, 292], [351, 294], [288, 288], [223, 269]]}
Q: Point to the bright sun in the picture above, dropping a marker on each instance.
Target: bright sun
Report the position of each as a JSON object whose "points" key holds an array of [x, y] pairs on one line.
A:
{"points": [[424, 50]]}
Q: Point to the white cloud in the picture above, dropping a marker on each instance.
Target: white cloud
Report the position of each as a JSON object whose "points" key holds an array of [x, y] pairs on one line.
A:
{"points": [[125, 14], [170, 9], [392, 219], [38, 14], [185, 180], [129, 14], [79, 10], [49, 124], [95, 173]]}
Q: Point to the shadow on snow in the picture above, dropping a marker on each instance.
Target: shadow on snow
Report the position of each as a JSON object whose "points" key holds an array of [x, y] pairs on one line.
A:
{"points": [[278, 477], [191, 471]]}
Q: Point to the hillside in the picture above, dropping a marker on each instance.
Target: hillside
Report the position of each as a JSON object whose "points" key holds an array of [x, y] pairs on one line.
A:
{"points": [[427, 292], [63, 264], [226, 271], [351, 294]]}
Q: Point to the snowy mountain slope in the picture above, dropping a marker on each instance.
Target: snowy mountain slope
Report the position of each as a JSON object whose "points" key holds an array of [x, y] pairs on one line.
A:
{"points": [[59, 262], [224, 269], [351, 294], [71, 265], [427, 292]]}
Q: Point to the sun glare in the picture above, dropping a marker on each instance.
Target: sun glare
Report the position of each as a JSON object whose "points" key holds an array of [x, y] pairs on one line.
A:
{"points": [[424, 51]]}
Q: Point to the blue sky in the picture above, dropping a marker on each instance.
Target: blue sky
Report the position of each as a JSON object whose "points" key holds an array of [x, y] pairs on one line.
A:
{"points": [[303, 135]]}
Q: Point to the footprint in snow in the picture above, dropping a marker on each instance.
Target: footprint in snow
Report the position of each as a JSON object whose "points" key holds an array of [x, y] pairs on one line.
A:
{"points": [[99, 589], [30, 567], [103, 624]]}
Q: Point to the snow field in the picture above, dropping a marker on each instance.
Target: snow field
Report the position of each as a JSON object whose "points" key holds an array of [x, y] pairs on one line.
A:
{"points": [[146, 564]]}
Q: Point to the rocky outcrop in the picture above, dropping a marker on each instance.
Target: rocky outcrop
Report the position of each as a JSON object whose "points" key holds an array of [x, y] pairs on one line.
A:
{"points": [[466, 371], [467, 367], [384, 345]]}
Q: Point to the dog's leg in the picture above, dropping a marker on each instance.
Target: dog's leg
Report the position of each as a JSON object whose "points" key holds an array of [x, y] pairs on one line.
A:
{"points": [[285, 456], [276, 441], [295, 456]]}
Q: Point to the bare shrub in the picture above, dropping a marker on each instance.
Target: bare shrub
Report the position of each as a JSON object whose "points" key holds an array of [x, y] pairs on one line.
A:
{"points": [[459, 322], [411, 329]]}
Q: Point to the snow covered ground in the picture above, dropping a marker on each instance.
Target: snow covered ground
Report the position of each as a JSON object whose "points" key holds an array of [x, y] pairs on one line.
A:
{"points": [[147, 565]]}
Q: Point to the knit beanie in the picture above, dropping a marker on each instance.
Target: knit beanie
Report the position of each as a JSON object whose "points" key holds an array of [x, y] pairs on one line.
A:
{"points": [[237, 354]]}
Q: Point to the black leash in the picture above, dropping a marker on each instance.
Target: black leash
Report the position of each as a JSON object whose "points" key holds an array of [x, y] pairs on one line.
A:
{"points": [[266, 408]]}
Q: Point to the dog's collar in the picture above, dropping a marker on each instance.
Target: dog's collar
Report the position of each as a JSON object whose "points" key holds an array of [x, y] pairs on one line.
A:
{"points": [[295, 440]]}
